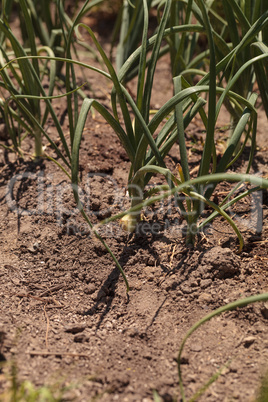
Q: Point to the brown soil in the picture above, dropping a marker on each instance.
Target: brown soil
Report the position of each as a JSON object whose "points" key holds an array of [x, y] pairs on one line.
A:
{"points": [[65, 316]]}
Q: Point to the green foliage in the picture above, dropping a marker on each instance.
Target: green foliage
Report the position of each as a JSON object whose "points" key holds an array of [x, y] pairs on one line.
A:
{"points": [[145, 148], [27, 80], [263, 391], [228, 307], [26, 391], [22, 86], [148, 161], [236, 45], [182, 45], [231, 22], [129, 25]]}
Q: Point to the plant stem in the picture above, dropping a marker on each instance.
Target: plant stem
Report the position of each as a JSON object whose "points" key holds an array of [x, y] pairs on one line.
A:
{"points": [[136, 191], [191, 228], [38, 144]]}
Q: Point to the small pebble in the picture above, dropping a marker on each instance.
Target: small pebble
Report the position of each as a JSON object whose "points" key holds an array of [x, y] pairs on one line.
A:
{"points": [[80, 338], [205, 298], [249, 340], [264, 310], [196, 347], [75, 328]]}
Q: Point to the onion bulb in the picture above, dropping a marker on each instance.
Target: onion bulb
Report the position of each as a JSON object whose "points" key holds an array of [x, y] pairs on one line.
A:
{"points": [[129, 222]]}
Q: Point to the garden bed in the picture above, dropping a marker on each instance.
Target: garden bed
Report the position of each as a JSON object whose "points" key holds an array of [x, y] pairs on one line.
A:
{"points": [[66, 319]]}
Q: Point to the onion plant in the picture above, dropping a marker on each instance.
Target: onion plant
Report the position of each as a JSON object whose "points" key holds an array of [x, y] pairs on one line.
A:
{"points": [[27, 80], [129, 25], [50, 21], [183, 46], [148, 140], [230, 23], [45, 22], [146, 153], [247, 122], [197, 197], [185, 50], [22, 86], [228, 307], [145, 143]]}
